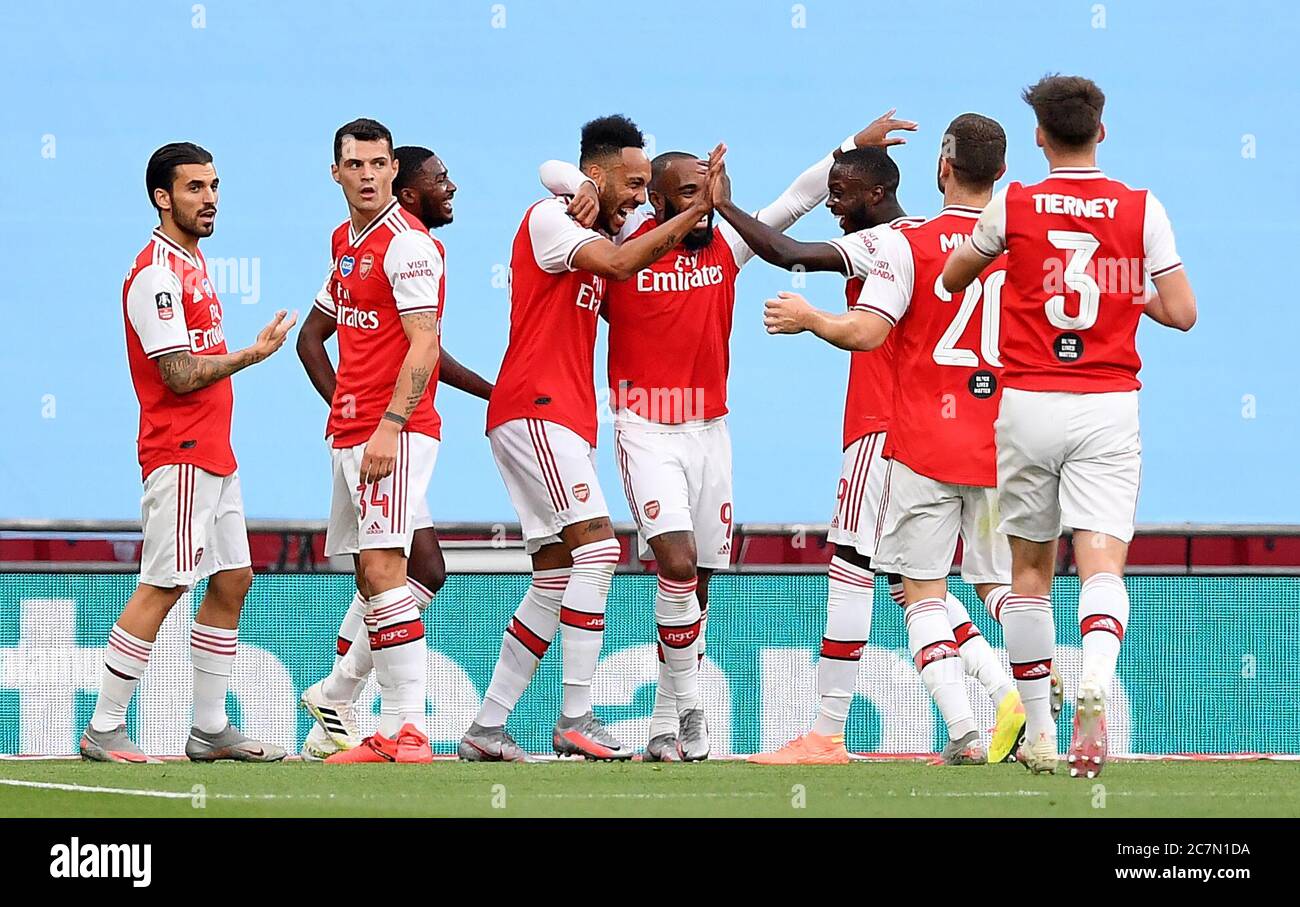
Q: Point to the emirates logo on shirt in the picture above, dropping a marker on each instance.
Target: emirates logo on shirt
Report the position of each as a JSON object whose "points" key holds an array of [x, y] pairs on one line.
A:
{"points": [[582, 491], [651, 509]]}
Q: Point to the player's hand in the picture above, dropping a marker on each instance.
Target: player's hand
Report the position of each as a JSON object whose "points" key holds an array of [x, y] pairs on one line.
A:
{"points": [[721, 187], [786, 314], [272, 337], [877, 132], [585, 205], [714, 170], [380, 455]]}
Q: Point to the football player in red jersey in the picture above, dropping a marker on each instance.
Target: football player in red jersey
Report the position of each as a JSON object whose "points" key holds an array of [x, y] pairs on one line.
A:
{"points": [[863, 186], [542, 427], [192, 509], [941, 477], [386, 291], [424, 188], [669, 358], [1080, 250]]}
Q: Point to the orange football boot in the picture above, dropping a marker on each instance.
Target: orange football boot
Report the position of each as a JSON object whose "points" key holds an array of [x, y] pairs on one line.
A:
{"points": [[810, 749], [408, 746]]}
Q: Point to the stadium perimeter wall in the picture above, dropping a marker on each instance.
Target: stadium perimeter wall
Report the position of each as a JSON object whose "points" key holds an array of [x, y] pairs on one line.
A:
{"points": [[1208, 664]]}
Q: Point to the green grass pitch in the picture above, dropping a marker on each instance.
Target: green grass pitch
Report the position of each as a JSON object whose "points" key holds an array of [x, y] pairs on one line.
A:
{"points": [[64, 788]]}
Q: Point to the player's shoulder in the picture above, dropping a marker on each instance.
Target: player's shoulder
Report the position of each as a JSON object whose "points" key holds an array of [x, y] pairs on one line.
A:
{"points": [[155, 263]]}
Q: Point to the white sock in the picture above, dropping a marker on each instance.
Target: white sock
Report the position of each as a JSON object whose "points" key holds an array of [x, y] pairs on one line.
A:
{"points": [[677, 614], [1103, 617], [353, 661], [977, 657], [125, 660], [527, 637], [930, 639], [582, 621], [994, 600], [849, 593], [423, 597], [1030, 632], [397, 646], [212, 652], [663, 720]]}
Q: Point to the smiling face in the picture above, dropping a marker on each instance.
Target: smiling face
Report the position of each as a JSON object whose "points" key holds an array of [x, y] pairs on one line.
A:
{"points": [[428, 194], [622, 182], [851, 199], [192, 200], [365, 171]]}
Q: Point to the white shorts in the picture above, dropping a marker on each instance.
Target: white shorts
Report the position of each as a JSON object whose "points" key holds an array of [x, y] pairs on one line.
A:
{"points": [[678, 479], [859, 497], [923, 520], [193, 524], [550, 475], [1068, 459], [382, 514]]}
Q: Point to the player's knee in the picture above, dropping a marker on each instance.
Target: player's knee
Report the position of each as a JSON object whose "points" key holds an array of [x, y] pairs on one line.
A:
{"points": [[429, 574], [677, 563], [379, 574]]}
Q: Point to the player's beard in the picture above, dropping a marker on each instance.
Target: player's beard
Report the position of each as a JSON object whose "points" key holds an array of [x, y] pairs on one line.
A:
{"points": [[699, 237], [192, 225]]}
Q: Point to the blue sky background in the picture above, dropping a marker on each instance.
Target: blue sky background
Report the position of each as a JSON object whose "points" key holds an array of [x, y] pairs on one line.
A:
{"points": [[1201, 107]]}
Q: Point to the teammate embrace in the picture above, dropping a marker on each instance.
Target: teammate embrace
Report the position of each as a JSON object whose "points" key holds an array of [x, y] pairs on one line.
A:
{"points": [[992, 398]]}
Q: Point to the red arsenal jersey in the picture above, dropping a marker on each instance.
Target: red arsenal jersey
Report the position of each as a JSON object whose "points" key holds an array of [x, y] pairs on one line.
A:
{"points": [[946, 363], [548, 368], [1079, 249], [869, 402], [670, 332], [391, 268], [169, 306]]}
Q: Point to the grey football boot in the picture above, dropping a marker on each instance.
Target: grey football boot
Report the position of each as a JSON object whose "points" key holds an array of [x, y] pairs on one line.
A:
{"points": [[113, 746], [966, 751], [693, 736], [588, 737], [490, 744], [230, 744], [662, 748]]}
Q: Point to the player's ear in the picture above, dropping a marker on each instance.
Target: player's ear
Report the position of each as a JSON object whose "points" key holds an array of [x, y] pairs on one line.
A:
{"points": [[334, 172], [163, 199], [1002, 171], [1038, 137], [597, 174], [1101, 133]]}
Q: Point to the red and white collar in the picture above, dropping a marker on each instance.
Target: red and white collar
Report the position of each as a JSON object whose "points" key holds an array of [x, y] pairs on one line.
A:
{"points": [[1076, 173], [175, 248], [355, 238], [961, 211]]}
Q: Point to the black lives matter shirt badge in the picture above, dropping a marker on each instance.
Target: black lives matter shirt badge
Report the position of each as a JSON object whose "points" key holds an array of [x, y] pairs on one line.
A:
{"points": [[1068, 347]]}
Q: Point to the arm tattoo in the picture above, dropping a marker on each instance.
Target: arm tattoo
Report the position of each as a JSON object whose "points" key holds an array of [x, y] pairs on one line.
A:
{"points": [[419, 381], [184, 372]]}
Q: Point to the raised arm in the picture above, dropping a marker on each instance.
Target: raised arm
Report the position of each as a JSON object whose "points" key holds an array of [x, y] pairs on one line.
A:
{"points": [[621, 262], [809, 188], [453, 374], [184, 373], [856, 329], [774, 247], [318, 328]]}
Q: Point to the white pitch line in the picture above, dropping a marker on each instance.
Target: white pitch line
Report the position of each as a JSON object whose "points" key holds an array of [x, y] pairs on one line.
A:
{"points": [[160, 794]]}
